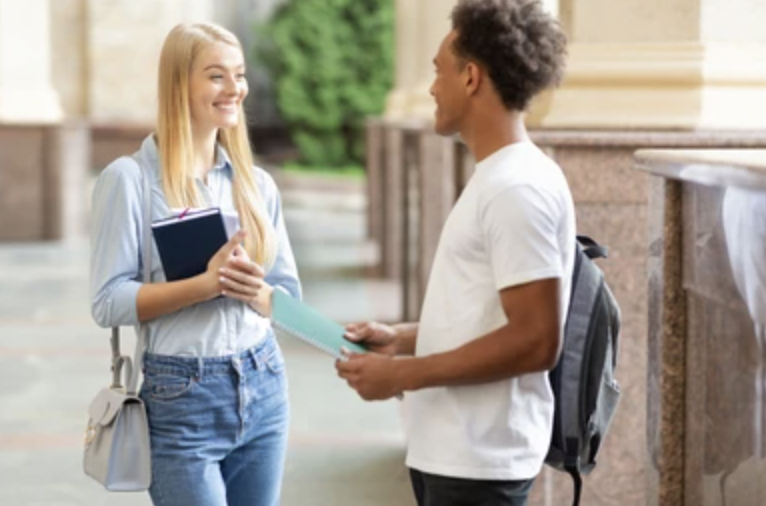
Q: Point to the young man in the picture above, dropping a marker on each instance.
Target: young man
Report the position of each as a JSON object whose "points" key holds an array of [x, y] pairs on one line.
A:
{"points": [[479, 406]]}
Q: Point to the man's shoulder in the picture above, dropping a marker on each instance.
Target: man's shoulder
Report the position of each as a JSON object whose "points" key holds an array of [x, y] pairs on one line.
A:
{"points": [[526, 165]]}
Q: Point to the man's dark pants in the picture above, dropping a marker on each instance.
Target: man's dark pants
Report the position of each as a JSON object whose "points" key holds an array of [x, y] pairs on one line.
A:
{"points": [[434, 490]]}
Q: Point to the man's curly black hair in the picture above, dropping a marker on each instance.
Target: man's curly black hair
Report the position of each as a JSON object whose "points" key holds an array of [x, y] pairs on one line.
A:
{"points": [[521, 47]]}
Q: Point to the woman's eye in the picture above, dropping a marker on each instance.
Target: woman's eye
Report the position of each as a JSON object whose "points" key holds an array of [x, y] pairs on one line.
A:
{"points": [[216, 76], [240, 76]]}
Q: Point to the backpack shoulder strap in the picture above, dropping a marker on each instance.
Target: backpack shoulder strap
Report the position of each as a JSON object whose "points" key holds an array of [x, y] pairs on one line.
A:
{"points": [[591, 248]]}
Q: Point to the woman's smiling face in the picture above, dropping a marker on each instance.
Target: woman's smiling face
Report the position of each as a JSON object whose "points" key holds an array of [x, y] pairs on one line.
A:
{"points": [[217, 87]]}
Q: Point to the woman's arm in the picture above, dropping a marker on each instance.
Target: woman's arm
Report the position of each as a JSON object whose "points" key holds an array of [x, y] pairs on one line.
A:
{"points": [[118, 296], [158, 299], [114, 255], [247, 281], [283, 273]]}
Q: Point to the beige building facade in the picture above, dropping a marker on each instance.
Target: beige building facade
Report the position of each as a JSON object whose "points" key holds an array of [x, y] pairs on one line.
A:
{"points": [[633, 64]]}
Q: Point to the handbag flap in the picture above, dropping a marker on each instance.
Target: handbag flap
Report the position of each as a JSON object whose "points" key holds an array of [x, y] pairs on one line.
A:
{"points": [[107, 404]]}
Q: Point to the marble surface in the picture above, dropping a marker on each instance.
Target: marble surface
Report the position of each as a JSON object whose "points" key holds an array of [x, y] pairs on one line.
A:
{"points": [[707, 333], [651, 138], [742, 168]]}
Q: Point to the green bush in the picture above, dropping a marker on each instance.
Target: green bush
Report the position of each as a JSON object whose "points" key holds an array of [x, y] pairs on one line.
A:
{"points": [[331, 62]]}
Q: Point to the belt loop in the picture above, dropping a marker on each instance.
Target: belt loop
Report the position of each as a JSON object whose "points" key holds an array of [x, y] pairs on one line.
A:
{"points": [[254, 357], [200, 367]]}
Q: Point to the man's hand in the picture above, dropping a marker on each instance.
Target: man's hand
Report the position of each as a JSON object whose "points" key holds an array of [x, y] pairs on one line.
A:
{"points": [[374, 377], [378, 337]]}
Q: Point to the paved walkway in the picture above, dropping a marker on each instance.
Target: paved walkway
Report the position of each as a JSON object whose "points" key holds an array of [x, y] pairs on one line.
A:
{"points": [[53, 359]]}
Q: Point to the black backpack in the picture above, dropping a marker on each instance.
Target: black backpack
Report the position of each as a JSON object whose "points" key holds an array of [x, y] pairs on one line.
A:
{"points": [[584, 387]]}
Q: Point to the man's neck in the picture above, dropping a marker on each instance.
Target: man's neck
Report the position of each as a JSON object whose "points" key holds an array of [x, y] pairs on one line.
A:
{"points": [[492, 132]]}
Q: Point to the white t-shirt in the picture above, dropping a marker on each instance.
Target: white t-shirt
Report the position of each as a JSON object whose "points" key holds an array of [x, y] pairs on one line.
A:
{"points": [[514, 223]]}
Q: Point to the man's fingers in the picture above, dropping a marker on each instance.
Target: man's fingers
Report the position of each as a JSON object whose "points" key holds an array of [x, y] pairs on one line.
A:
{"points": [[350, 355], [352, 331], [347, 365], [360, 332]]}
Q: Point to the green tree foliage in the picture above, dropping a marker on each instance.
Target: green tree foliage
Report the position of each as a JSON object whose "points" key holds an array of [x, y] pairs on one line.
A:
{"points": [[332, 63]]}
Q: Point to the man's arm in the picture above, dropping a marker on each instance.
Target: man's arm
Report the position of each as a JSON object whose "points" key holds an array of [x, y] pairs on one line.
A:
{"points": [[528, 343], [406, 337]]}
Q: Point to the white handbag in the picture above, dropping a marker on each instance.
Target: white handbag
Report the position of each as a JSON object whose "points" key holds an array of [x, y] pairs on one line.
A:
{"points": [[117, 449]]}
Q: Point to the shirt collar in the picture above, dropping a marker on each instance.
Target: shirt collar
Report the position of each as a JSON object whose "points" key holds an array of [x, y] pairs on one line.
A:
{"points": [[149, 147], [222, 159]]}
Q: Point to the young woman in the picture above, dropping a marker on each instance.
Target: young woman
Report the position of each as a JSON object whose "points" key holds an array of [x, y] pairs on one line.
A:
{"points": [[214, 379]]}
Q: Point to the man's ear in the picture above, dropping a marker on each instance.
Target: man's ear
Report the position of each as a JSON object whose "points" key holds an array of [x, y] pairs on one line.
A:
{"points": [[473, 78]]}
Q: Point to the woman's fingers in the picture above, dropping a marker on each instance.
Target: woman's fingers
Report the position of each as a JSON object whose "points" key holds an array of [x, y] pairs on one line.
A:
{"points": [[232, 244], [246, 266], [238, 281]]}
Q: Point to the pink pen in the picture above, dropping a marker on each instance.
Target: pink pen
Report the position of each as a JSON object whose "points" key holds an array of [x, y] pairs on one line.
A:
{"points": [[183, 213]]}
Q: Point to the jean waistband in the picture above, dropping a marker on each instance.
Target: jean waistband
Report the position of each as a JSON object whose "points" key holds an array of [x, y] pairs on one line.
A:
{"points": [[252, 358]]}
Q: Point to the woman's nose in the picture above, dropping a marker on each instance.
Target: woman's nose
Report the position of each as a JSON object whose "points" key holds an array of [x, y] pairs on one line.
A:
{"points": [[232, 86]]}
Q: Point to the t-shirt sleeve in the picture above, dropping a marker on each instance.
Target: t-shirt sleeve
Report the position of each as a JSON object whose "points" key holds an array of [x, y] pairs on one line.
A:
{"points": [[521, 229]]}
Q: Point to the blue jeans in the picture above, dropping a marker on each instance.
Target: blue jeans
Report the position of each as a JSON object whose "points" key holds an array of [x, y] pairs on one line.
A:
{"points": [[218, 427]]}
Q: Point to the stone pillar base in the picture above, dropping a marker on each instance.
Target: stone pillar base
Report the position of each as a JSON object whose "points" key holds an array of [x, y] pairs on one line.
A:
{"points": [[43, 181]]}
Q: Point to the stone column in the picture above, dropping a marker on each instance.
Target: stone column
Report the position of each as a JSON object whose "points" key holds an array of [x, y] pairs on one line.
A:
{"points": [[124, 39], [437, 25], [69, 63], [26, 93], [420, 27], [654, 64], [124, 42], [407, 58]]}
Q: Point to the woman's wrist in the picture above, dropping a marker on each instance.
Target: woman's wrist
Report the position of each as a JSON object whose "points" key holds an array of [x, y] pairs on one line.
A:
{"points": [[208, 286], [262, 302]]}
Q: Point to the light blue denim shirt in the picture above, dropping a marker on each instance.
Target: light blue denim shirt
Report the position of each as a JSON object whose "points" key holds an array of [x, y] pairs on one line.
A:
{"points": [[213, 328]]}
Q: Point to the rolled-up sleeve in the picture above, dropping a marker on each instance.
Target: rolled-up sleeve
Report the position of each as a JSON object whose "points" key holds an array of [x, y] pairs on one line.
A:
{"points": [[115, 237], [284, 273]]}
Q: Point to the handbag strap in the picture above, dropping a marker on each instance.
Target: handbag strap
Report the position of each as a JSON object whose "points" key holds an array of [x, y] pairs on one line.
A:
{"points": [[122, 363]]}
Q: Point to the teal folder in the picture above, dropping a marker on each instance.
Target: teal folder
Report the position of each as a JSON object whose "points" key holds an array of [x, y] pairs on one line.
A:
{"points": [[304, 322]]}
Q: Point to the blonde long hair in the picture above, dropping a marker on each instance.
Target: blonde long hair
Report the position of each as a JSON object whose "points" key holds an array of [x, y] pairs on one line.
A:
{"points": [[175, 142]]}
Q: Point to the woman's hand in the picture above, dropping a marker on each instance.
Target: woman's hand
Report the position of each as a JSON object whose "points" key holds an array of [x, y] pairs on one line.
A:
{"points": [[242, 279], [212, 276]]}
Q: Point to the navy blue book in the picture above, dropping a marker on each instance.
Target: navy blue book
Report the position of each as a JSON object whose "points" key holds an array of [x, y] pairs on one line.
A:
{"points": [[186, 243]]}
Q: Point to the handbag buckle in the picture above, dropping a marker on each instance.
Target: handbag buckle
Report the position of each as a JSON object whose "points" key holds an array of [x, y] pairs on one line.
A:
{"points": [[90, 434]]}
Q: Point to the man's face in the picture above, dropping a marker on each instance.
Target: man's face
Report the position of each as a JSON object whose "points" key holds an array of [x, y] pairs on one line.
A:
{"points": [[448, 88]]}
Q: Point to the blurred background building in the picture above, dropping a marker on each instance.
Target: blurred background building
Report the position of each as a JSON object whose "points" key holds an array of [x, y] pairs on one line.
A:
{"points": [[78, 85], [78, 88]]}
